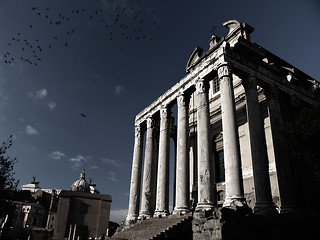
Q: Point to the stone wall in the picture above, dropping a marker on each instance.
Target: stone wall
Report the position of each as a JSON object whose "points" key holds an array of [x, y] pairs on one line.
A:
{"points": [[229, 225]]}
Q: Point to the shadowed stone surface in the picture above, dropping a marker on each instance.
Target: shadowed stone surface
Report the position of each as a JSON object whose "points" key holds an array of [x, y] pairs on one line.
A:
{"points": [[171, 227]]}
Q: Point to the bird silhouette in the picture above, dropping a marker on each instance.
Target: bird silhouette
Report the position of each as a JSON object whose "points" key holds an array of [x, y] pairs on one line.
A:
{"points": [[83, 115], [127, 22]]}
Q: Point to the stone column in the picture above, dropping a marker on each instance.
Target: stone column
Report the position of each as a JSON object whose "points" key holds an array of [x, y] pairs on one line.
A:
{"points": [[174, 170], [147, 190], [281, 153], [182, 168], [232, 161], [205, 165], [162, 202], [156, 134], [134, 198], [259, 155]]}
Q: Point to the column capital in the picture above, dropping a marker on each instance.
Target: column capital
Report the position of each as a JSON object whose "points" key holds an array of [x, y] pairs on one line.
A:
{"points": [[200, 86], [164, 112], [150, 122], [224, 70], [271, 92], [250, 82], [137, 130], [181, 99]]}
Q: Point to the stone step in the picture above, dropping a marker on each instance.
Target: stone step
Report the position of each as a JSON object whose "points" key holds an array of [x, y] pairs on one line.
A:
{"points": [[152, 228]]}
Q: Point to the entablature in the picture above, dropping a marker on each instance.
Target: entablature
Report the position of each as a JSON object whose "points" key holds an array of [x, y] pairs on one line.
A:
{"points": [[245, 58]]}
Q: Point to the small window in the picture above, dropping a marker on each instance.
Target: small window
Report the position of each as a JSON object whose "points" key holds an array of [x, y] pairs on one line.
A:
{"points": [[216, 85]]}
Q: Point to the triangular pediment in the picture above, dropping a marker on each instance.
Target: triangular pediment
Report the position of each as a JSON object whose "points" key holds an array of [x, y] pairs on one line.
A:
{"points": [[195, 55]]}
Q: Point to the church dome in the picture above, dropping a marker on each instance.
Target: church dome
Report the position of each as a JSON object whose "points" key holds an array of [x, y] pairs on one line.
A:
{"points": [[81, 185]]}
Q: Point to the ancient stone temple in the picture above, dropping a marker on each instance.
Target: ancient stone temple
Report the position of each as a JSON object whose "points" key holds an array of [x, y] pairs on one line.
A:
{"points": [[230, 153]]}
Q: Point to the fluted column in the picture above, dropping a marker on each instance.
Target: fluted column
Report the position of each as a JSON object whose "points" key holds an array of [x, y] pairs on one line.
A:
{"points": [[134, 198], [205, 164], [162, 202], [182, 167], [147, 190], [259, 155], [233, 174], [281, 153]]}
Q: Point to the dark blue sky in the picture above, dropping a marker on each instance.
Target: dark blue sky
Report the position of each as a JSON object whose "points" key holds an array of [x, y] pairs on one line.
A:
{"points": [[110, 81]]}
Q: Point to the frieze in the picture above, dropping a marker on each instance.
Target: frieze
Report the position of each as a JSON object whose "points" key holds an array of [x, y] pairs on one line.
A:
{"points": [[215, 60]]}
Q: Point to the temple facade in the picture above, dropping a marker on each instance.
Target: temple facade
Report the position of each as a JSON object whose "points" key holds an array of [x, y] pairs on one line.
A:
{"points": [[229, 148]]}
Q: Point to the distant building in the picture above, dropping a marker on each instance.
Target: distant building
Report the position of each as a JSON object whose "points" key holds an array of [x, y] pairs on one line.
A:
{"points": [[80, 211], [34, 215], [32, 187]]}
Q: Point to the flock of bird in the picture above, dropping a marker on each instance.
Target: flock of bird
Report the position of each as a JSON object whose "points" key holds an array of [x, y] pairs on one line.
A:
{"points": [[25, 45], [125, 22]]}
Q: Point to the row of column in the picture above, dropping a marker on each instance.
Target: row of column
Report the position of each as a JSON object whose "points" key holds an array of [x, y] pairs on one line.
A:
{"points": [[206, 185]]}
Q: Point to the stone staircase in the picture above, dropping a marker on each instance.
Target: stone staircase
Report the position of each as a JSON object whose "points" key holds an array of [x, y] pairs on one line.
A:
{"points": [[170, 227]]}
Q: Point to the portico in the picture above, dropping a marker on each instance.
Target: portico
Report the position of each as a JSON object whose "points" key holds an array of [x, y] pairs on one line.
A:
{"points": [[224, 94]]}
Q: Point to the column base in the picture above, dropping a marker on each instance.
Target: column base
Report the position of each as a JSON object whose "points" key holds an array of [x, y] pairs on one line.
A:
{"points": [[267, 208], [204, 206], [144, 215], [288, 209], [234, 203], [131, 219], [161, 213], [181, 210], [205, 211]]}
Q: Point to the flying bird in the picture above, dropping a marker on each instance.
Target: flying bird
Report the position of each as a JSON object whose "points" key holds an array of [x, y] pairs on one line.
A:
{"points": [[133, 30], [83, 115]]}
